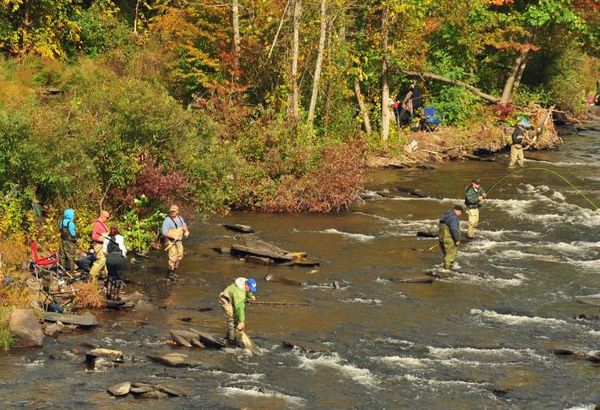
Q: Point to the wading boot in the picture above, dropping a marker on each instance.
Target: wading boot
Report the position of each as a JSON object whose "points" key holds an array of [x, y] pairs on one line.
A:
{"points": [[230, 334]]}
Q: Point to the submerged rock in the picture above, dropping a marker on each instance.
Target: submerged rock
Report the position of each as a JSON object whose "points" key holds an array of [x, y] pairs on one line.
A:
{"points": [[25, 327], [173, 360], [120, 389]]}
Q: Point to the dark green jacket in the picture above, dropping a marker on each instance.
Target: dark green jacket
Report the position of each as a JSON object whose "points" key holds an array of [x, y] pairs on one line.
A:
{"points": [[472, 196]]}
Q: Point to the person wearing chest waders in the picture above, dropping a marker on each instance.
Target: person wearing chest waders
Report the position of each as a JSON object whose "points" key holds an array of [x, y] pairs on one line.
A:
{"points": [[116, 253], [67, 253], [233, 302], [450, 235], [174, 229], [474, 196], [519, 140], [99, 231]]}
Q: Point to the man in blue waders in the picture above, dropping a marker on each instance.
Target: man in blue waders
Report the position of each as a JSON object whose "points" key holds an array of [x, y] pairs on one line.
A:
{"points": [[450, 235]]}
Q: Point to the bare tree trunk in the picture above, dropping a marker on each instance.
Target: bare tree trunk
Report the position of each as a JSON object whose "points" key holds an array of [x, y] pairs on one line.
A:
{"points": [[447, 80], [363, 108], [317, 78], [235, 19], [510, 81], [135, 17], [329, 88], [278, 29], [295, 56], [520, 73], [385, 88]]}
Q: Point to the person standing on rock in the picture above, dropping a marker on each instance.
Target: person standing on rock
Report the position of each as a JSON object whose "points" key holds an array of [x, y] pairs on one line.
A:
{"points": [[99, 232], [449, 235], [233, 302], [519, 139], [174, 229], [474, 196], [116, 253], [67, 253]]}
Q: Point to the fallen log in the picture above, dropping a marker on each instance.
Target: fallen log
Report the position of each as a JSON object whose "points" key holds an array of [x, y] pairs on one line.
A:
{"points": [[474, 90], [80, 320], [239, 228], [243, 250], [207, 339]]}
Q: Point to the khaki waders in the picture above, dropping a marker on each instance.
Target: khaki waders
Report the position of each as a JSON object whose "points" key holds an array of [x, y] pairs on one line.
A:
{"points": [[448, 247], [473, 216], [516, 155], [100, 263], [175, 247], [227, 307]]}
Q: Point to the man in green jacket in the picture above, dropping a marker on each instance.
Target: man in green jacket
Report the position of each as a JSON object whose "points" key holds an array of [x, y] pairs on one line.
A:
{"points": [[474, 196], [233, 302]]}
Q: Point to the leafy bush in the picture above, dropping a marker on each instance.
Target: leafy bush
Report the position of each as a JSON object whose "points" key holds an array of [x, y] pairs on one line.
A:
{"points": [[6, 336]]}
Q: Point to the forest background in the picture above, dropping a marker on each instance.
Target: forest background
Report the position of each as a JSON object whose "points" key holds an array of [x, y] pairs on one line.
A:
{"points": [[266, 105]]}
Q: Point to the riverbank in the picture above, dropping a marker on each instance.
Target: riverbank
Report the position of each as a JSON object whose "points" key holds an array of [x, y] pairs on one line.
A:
{"points": [[478, 142]]}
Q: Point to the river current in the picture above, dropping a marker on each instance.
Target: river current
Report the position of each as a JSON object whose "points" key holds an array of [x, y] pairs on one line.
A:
{"points": [[482, 338]]}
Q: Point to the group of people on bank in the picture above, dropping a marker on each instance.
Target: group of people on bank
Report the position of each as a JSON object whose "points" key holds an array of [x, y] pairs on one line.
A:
{"points": [[110, 252]]}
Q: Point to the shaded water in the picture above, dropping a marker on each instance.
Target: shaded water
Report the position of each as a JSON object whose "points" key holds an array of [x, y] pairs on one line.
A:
{"points": [[481, 339]]}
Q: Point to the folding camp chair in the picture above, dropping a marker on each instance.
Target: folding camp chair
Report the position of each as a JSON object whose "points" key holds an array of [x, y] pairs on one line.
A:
{"points": [[431, 119], [48, 264]]}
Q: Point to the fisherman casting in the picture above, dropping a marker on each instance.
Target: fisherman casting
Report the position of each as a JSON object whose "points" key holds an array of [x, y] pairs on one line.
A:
{"points": [[474, 196]]}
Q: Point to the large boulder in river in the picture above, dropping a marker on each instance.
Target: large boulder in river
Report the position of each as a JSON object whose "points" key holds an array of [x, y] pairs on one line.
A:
{"points": [[26, 328]]}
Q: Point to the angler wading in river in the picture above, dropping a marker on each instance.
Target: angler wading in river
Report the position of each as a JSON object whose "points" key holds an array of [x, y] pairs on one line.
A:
{"points": [[474, 196], [450, 235], [520, 138], [174, 230], [233, 302], [99, 232]]}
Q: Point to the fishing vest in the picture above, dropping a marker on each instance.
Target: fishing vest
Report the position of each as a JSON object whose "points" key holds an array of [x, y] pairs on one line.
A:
{"points": [[113, 246], [65, 235], [517, 136]]}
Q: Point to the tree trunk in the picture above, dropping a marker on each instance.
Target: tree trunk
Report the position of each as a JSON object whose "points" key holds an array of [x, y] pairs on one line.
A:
{"points": [[447, 80], [363, 108], [317, 78], [510, 81], [235, 20], [520, 73], [135, 17], [385, 87], [295, 56]]}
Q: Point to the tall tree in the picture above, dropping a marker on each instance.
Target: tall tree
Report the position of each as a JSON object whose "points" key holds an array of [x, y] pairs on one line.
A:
{"points": [[295, 109], [385, 86], [235, 19], [318, 66]]}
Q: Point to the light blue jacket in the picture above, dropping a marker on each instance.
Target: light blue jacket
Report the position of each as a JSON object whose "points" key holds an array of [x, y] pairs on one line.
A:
{"points": [[69, 222]]}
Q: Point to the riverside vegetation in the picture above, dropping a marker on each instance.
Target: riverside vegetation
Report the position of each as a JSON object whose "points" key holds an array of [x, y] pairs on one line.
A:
{"points": [[267, 106]]}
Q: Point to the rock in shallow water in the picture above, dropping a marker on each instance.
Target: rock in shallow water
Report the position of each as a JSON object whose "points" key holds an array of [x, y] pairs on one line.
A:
{"points": [[120, 389], [26, 328]]}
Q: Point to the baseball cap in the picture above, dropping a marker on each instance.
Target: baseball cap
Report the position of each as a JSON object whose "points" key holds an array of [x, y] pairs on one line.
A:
{"points": [[251, 284], [174, 208]]}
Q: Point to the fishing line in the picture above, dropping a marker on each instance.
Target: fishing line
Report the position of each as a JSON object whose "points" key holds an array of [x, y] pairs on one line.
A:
{"points": [[550, 171]]}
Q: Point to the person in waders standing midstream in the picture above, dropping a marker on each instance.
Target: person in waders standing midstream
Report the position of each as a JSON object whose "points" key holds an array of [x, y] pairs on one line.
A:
{"points": [[174, 230], [233, 302], [449, 236], [520, 139], [474, 196]]}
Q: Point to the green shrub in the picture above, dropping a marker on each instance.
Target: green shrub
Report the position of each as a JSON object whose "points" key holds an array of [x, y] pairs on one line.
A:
{"points": [[6, 336]]}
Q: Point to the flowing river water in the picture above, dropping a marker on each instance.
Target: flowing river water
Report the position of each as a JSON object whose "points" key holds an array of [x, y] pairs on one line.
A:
{"points": [[480, 339]]}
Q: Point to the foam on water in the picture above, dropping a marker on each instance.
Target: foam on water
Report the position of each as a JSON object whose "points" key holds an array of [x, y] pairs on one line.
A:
{"points": [[356, 236], [483, 354], [393, 341], [334, 361], [237, 376], [484, 279], [441, 383], [375, 302], [262, 393], [420, 363], [516, 319]]}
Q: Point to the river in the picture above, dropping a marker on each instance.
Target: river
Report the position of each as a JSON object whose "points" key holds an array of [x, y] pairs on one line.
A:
{"points": [[480, 339]]}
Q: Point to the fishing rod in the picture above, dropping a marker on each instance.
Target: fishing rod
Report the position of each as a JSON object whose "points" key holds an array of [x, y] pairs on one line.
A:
{"points": [[552, 172]]}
